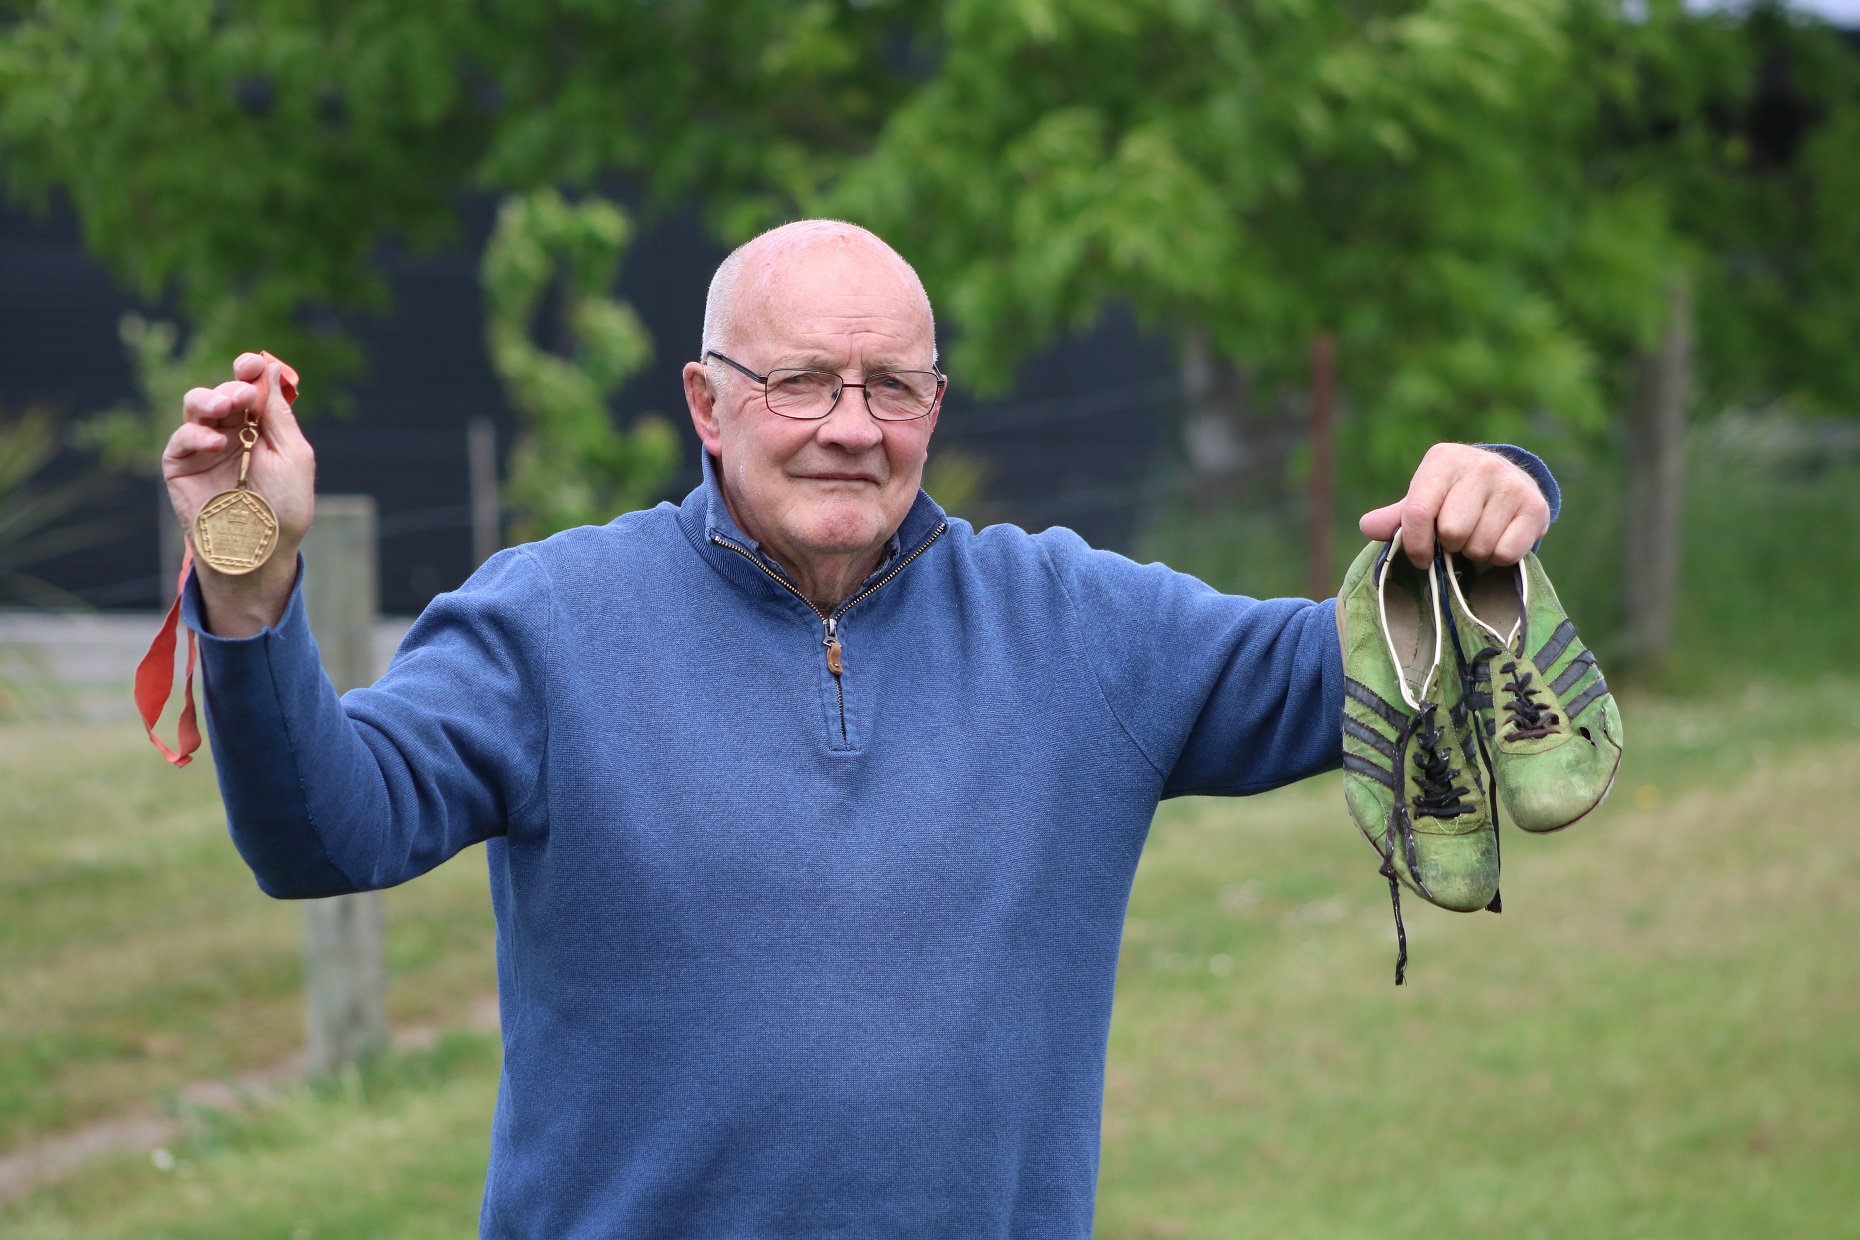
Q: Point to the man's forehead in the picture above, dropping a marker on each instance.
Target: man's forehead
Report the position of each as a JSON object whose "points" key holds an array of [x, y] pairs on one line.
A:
{"points": [[858, 265], [830, 290]]}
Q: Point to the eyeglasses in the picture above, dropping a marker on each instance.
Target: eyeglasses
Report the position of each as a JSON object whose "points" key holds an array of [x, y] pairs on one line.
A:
{"points": [[809, 395]]}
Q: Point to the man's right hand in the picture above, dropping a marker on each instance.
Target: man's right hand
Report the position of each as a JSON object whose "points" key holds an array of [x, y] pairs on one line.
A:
{"points": [[202, 459]]}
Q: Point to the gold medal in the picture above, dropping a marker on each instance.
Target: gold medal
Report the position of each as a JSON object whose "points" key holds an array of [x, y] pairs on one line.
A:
{"points": [[236, 530]]}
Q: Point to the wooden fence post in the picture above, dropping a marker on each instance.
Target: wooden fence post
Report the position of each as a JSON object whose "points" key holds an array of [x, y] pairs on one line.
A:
{"points": [[1656, 468], [487, 522], [345, 967]]}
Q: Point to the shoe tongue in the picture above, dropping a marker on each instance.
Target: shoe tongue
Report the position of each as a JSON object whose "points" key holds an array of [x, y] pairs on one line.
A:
{"points": [[1409, 607], [1494, 599]]}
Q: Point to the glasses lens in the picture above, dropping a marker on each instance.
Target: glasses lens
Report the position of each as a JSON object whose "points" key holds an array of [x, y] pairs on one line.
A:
{"points": [[901, 394], [802, 393]]}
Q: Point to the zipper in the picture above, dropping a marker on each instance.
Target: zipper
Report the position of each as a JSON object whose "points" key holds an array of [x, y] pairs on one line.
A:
{"points": [[830, 621]]}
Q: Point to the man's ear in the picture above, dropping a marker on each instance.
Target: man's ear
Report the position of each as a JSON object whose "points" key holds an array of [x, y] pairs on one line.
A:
{"points": [[701, 400]]}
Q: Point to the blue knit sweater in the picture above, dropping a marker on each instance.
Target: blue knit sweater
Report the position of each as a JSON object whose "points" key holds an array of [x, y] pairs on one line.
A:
{"points": [[780, 953]]}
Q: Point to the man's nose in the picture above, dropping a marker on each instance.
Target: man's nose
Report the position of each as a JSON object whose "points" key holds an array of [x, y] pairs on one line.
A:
{"points": [[851, 425]]}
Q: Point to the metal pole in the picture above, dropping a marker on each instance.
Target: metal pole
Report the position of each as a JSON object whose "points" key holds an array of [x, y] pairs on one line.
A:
{"points": [[486, 518], [345, 965], [1323, 391]]}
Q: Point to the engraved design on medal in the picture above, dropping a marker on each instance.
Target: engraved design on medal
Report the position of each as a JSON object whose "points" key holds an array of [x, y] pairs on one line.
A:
{"points": [[235, 532]]}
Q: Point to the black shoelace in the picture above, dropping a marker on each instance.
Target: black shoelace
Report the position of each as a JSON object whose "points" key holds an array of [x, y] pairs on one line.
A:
{"points": [[1439, 797], [1530, 719], [1433, 772]]}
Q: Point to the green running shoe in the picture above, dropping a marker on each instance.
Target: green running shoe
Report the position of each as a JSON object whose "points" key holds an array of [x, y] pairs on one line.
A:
{"points": [[1551, 726], [1411, 766]]}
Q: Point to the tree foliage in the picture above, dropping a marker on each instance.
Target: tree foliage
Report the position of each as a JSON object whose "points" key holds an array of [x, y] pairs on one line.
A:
{"points": [[1486, 200], [250, 160], [1261, 173], [1740, 130], [247, 163], [571, 465], [245, 160], [130, 436]]}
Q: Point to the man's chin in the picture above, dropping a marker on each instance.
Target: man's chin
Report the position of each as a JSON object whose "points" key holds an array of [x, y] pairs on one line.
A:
{"points": [[840, 530]]}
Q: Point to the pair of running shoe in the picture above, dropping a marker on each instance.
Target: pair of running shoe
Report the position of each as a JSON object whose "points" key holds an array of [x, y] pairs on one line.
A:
{"points": [[1464, 690]]}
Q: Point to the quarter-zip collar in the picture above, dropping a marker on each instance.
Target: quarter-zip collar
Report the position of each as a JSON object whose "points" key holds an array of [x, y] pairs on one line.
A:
{"points": [[707, 521]]}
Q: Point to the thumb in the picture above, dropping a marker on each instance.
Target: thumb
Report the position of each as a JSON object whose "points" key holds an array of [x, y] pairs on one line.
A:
{"points": [[1380, 524], [280, 383]]}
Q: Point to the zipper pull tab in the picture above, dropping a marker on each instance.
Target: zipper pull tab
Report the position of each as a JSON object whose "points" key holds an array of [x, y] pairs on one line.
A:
{"points": [[832, 642]]}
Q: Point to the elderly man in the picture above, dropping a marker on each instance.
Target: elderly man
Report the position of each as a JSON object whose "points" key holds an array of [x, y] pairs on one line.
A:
{"points": [[811, 813]]}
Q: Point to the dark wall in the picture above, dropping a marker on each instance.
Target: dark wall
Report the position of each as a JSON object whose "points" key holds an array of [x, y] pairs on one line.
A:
{"points": [[1071, 446]]}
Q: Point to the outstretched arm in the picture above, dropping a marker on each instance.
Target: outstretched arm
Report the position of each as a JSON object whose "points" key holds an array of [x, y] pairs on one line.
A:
{"points": [[1230, 695], [326, 795]]}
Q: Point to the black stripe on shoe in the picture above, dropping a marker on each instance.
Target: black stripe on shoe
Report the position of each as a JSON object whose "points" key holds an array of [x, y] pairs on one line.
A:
{"points": [[1369, 770], [1370, 737], [1577, 669], [1472, 760], [1586, 698], [1396, 719], [1559, 641]]}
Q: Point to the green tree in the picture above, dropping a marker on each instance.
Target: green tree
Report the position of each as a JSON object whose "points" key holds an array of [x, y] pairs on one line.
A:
{"points": [[1505, 210], [571, 465], [1739, 132], [250, 161], [1395, 174], [129, 437]]}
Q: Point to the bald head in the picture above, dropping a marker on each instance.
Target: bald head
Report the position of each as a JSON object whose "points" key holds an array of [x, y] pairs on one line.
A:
{"points": [[756, 271], [822, 492]]}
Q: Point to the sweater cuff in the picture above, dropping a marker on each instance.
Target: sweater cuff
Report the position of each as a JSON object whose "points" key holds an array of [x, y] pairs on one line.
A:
{"points": [[194, 614]]}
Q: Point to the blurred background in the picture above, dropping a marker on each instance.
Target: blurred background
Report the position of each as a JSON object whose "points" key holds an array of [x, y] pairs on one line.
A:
{"points": [[1210, 277]]}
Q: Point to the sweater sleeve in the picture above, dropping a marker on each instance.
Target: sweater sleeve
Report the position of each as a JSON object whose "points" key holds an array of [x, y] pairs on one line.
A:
{"points": [[324, 795], [1225, 695], [1222, 694]]}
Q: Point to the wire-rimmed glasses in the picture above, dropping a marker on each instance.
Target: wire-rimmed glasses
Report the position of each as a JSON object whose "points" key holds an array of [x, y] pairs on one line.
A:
{"points": [[809, 395]]}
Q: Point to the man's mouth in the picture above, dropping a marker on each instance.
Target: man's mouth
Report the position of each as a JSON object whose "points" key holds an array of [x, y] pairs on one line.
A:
{"points": [[833, 477]]}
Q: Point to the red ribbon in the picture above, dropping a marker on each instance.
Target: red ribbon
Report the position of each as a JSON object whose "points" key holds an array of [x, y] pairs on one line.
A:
{"points": [[155, 674]]}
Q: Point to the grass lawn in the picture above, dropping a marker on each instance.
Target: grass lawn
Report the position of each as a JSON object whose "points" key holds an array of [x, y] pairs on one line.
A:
{"points": [[136, 955], [1656, 1039]]}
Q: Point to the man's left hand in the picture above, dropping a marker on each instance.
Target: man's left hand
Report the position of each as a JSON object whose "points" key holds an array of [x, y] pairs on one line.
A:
{"points": [[1476, 502]]}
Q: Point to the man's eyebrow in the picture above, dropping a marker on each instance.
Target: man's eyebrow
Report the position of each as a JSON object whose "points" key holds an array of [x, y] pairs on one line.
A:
{"points": [[803, 361], [820, 361]]}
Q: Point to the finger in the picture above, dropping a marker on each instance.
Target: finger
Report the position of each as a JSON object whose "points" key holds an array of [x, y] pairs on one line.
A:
{"points": [[1460, 509], [1421, 509], [1517, 540], [279, 425], [193, 447], [276, 402], [245, 397], [252, 376], [208, 405], [1380, 524], [1499, 512]]}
